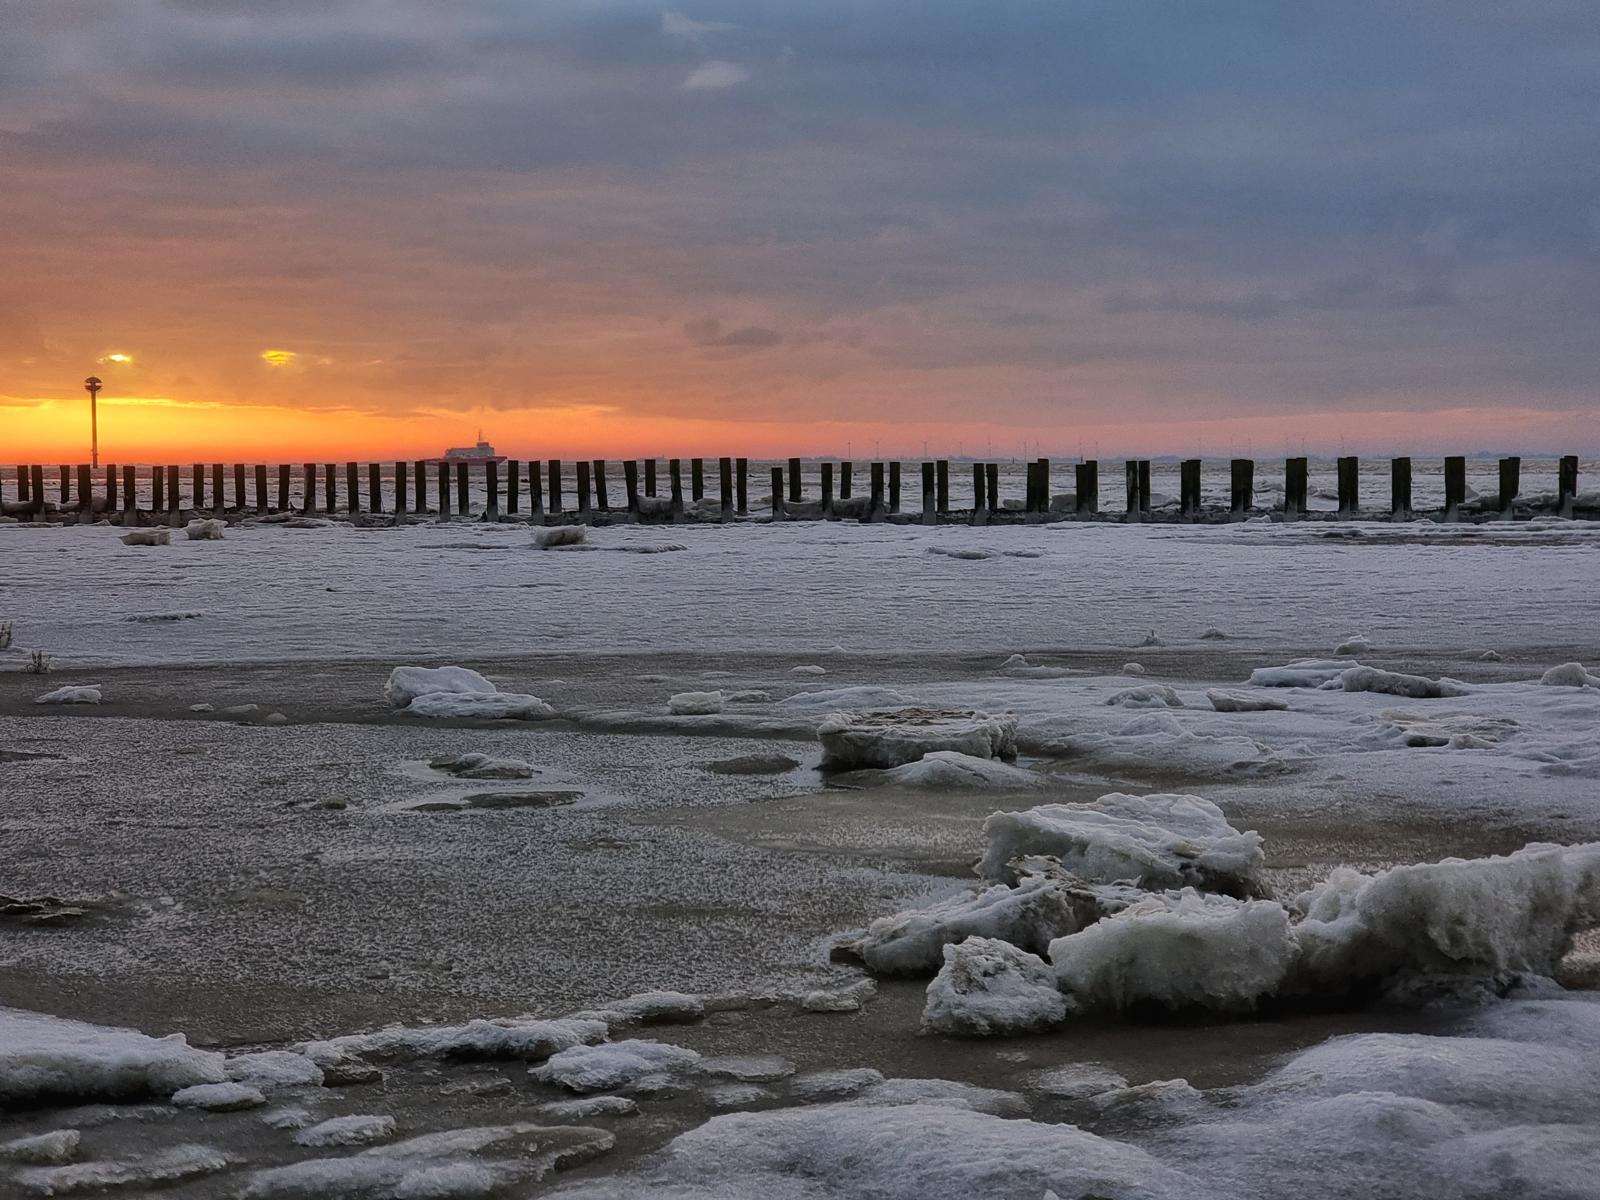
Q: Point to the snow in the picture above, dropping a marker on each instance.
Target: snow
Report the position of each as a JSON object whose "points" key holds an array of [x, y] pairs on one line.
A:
{"points": [[989, 986], [219, 1097], [146, 537], [1077, 1081], [695, 703], [1037, 909], [405, 684], [527, 1038], [474, 705], [891, 737], [749, 1068], [1393, 683], [482, 766], [1233, 702], [1164, 840], [1570, 674], [44, 1058], [57, 1146], [206, 530], [1154, 695], [838, 699], [557, 536], [354, 1130], [71, 694], [838, 1083], [1179, 950], [1303, 672], [160, 1168], [588, 1107], [653, 1008], [1353, 646], [841, 1000], [1132, 668], [612, 1064], [950, 770]]}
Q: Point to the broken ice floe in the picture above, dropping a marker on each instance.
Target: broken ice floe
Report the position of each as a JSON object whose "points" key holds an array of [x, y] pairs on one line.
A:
{"points": [[1570, 674], [948, 770], [71, 694], [989, 986], [695, 703], [44, 1058], [892, 737], [456, 692], [611, 1065]]}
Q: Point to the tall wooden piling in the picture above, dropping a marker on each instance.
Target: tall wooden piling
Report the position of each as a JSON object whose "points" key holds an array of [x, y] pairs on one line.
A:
{"points": [[330, 488], [513, 486], [675, 489], [1189, 489], [85, 491], [419, 486], [1241, 496], [602, 496], [844, 480], [583, 466], [238, 486], [795, 494], [1455, 486], [36, 487], [197, 474], [491, 484], [876, 507], [697, 479], [777, 493], [1131, 472], [283, 487], [463, 500], [741, 468], [992, 474], [130, 495], [725, 484], [630, 482], [825, 489], [942, 484], [650, 477], [894, 486], [402, 492], [261, 487], [1086, 493], [111, 490], [158, 490], [535, 490], [174, 505], [218, 497], [23, 492], [1399, 489], [66, 486], [557, 504], [930, 495], [352, 487], [1566, 484], [980, 487], [375, 488], [1510, 484], [308, 489], [442, 485], [1294, 488], [1349, 485]]}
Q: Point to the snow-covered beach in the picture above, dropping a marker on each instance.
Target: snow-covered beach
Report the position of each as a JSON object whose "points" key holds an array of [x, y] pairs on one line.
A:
{"points": [[635, 941]]}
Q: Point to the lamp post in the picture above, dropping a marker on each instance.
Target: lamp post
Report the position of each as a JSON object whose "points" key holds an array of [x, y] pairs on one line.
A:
{"points": [[92, 386]]}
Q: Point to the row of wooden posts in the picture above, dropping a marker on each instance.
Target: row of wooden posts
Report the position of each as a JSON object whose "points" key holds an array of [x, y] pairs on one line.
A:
{"points": [[546, 479]]}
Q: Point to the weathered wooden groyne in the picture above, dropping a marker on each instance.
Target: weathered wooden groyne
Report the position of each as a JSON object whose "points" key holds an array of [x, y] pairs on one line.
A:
{"points": [[535, 491]]}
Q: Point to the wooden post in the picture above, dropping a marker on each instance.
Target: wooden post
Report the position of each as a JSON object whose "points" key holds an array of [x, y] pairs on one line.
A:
{"points": [[1400, 489], [111, 490], [556, 505], [463, 503], [85, 491], [1455, 486], [777, 493], [158, 490], [675, 481], [402, 491], [894, 486], [66, 486], [630, 482], [1131, 471], [741, 468], [330, 488], [198, 474], [535, 490], [1144, 487], [491, 483], [875, 509], [308, 489], [583, 467], [36, 486], [442, 485], [261, 487], [602, 497], [238, 486], [1349, 485], [826, 470], [174, 505], [1566, 484], [992, 470], [130, 495], [844, 480], [23, 492], [942, 485], [1189, 489], [513, 485], [375, 489], [1510, 484], [283, 487], [980, 487], [419, 484], [218, 498], [1089, 485], [930, 503], [1294, 488], [352, 488], [650, 476], [697, 479], [725, 483], [795, 493], [1242, 492]]}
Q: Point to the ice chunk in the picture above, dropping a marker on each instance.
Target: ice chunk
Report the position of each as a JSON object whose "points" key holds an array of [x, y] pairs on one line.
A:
{"points": [[1354, 645], [586, 1107], [1393, 683], [654, 1008], [752, 1068], [355, 1130], [71, 694], [831, 699], [843, 1000], [219, 1097], [1132, 668], [47, 1058], [1152, 695], [695, 703], [892, 737], [407, 683], [990, 987], [736, 1095], [1079, 1081], [160, 1168], [1165, 840], [206, 530], [1303, 672], [808, 669], [1179, 950], [1233, 702], [561, 535], [836, 1084], [512, 1038], [482, 766], [147, 537], [57, 1146], [612, 1064], [1039, 908], [1493, 918], [1570, 674], [950, 770], [497, 706]]}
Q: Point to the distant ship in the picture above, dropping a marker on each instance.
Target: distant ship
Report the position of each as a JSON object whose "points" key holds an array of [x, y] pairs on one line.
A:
{"points": [[473, 456]]}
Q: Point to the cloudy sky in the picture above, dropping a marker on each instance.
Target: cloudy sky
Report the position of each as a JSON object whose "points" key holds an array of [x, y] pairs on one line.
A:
{"points": [[789, 226]]}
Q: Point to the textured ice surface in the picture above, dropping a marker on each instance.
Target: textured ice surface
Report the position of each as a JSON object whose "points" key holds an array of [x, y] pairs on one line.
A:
{"points": [[892, 737], [71, 694], [50, 1058], [613, 1064], [991, 987]]}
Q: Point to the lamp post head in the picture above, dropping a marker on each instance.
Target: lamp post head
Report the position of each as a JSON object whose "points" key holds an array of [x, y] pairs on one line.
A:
{"points": [[91, 385]]}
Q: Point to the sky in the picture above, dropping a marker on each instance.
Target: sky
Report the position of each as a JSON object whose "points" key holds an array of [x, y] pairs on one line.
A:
{"points": [[367, 228]]}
